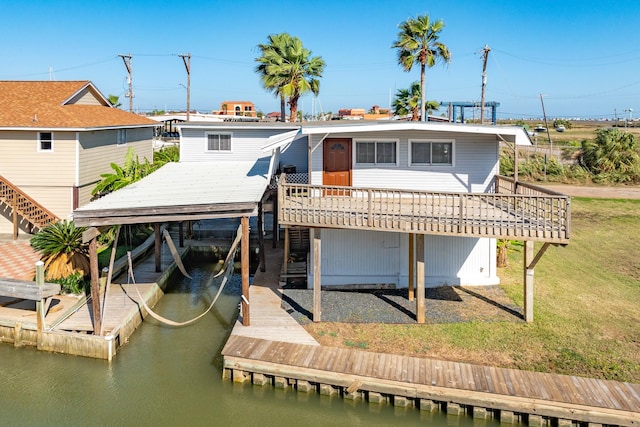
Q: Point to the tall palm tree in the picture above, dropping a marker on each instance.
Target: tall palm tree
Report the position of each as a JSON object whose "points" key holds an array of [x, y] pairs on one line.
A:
{"points": [[287, 68], [418, 43]]}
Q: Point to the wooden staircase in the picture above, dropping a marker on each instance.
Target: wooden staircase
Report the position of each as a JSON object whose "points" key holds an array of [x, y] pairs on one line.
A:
{"points": [[24, 208]]}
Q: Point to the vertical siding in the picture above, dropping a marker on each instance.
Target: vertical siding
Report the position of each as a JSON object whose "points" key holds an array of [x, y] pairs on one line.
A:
{"points": [[362, 257]]}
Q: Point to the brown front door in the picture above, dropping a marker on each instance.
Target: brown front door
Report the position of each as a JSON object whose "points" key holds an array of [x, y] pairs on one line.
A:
{"points": [[337, 162]]}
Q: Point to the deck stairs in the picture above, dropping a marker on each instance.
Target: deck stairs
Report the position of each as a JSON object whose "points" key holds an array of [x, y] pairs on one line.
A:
{"points": [[23, 208]]}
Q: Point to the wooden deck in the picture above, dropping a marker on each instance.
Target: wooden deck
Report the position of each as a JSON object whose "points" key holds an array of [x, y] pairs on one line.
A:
{"points": [[69, 320], [274, 350], [551, 396], [268, 318], [528, 213]]}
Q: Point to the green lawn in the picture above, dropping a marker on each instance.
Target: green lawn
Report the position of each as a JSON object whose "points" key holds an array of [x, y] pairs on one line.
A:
{"points": [[587, 307]]}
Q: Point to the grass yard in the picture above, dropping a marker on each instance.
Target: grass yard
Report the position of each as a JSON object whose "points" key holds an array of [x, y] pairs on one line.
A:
{"points": [[587, 308]]}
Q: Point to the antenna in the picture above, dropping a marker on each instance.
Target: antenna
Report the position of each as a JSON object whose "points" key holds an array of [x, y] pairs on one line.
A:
{"points": [[127, 63]]}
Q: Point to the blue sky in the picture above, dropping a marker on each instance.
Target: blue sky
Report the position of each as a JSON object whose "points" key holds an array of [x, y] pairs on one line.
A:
{"points": [[582, 56]]}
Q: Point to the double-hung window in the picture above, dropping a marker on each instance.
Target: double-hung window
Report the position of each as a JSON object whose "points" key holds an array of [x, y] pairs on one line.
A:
{"points": [[377, 152], [219, 142], [428, 153], [45, 141]]}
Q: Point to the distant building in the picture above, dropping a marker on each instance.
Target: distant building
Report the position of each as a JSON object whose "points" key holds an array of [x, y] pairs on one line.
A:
{"points": [[237, 108], [375, 113]]}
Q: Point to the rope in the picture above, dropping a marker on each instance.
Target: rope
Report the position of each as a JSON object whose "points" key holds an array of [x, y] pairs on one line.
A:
{"points": [[174, 253], [170, 322]]}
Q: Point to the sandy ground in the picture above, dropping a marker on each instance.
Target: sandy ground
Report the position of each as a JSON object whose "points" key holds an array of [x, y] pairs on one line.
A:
{"points": [[621, 192]]}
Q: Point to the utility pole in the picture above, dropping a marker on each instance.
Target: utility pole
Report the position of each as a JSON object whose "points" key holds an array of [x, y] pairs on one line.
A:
{"points": [[547, 126], [485, 55], [127, 63], [186, 59]]}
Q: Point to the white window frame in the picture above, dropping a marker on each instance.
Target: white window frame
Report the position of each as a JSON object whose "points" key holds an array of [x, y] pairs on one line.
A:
{"points": [[431, 141], [40, 140], [122, 137], [206, 142], [376, 141]]}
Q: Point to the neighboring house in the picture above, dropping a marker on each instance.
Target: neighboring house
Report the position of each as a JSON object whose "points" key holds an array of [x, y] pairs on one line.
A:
{"points": [[56, 138], [237, 108]]}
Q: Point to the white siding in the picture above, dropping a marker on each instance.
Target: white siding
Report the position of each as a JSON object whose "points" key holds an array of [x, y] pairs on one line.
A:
{"points": [[475, 164], [246, 144], [361, 257], [296, 154]]}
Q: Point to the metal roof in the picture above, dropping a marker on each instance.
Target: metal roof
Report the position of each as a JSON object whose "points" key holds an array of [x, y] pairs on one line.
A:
{"points": [[183, 191], [509, 133]]}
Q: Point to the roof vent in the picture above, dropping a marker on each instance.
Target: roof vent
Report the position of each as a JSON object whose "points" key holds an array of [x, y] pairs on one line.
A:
{"points": [[35, 117]]}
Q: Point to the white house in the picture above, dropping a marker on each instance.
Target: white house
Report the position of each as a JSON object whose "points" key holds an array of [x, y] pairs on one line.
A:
{"points": [[410, 204]]}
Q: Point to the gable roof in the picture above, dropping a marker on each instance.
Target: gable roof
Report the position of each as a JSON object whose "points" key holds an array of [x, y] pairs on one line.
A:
{"points": [[63, 105]]}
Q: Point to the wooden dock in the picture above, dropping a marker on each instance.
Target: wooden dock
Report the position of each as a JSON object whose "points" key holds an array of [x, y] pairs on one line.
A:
{"points": [[274, 351], [268, 319], [69, 322]]}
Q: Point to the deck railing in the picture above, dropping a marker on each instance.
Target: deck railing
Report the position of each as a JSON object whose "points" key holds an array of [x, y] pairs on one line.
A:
{"points": [[24, 206], [513, 211]]}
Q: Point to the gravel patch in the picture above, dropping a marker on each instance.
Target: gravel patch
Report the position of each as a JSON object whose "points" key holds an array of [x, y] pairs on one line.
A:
{"points": [[446, 304]]}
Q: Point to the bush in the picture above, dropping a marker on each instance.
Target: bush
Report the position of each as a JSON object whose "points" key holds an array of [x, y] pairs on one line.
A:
{"points": [[613, 156], [74, 283]]}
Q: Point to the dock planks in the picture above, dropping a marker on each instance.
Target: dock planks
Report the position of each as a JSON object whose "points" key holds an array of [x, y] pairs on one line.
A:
{"points": [[276, 345], [561, 396]]}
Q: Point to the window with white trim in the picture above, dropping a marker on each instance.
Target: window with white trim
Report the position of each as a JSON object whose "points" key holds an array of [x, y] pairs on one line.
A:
{"points": [[122, 136], [428, 153], [45, 141], [376, 152], [218, 142]]}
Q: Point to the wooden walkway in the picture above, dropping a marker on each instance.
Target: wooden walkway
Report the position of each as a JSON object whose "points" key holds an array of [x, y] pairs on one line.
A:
{"points": [[273, 350], [268, 318]]}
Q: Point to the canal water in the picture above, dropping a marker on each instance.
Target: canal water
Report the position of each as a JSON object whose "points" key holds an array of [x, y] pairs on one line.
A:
{"points": [[168, 376]]}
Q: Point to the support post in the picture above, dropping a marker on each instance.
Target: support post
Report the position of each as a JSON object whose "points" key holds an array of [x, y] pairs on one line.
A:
{"points": [[181, 234], [263, 268], [274, 233], [412, 260], [286, 250], [158, 247], [244, 261], [40, 309], [317, 284], [95, 286], [528, 281], [420, 285]]}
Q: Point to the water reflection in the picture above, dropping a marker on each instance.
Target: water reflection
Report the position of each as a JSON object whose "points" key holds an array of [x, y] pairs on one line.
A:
{"points": [[167, 376]]}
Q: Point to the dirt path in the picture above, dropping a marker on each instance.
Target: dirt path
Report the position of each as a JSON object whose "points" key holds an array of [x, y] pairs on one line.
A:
{"points": [[621, 192]]}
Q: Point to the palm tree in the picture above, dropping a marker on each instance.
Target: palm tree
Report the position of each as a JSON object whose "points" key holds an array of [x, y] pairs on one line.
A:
{"points": [[418, 43], [287, 68], [407, 101], [62, 250]]}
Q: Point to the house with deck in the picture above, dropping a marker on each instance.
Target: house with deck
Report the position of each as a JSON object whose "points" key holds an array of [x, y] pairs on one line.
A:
{"points": [[403, 204], [56, 138]]}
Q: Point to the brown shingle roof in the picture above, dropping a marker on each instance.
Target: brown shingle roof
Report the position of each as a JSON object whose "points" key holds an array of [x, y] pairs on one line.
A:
{"points": [[51, 105]]}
